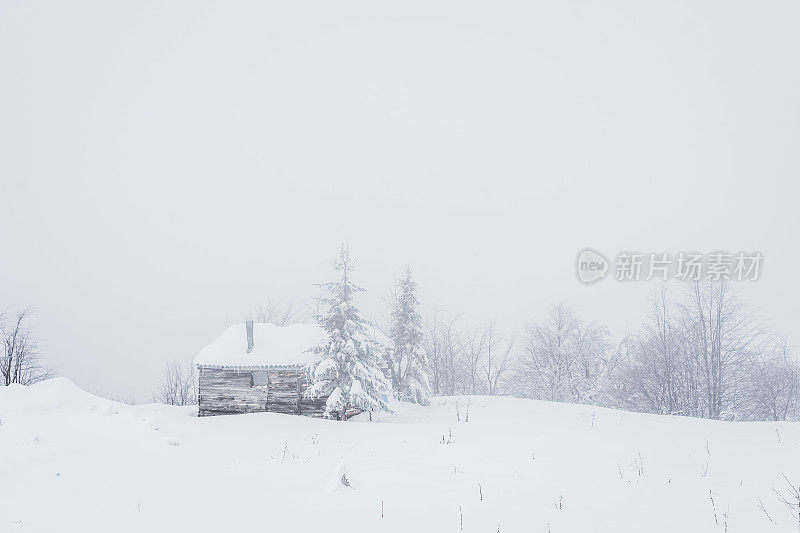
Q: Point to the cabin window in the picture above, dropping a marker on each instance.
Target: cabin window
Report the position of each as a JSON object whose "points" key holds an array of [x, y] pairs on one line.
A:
{"points": [[260, 379]]}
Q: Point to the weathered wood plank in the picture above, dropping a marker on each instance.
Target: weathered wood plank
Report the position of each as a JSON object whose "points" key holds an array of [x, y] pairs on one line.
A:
{"points": [[231, 391]]}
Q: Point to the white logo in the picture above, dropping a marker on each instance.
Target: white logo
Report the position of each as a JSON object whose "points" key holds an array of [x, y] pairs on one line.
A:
{"points": [[592, 266]]}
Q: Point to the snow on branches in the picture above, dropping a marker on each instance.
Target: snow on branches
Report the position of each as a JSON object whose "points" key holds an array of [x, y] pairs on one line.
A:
{"points": [[349, 372]]}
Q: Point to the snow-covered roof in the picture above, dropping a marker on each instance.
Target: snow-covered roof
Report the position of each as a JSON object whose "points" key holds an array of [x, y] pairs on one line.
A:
{"points": [[272, 346]]}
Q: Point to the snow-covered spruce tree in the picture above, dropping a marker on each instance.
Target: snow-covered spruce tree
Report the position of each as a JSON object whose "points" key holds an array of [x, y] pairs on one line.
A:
{"points": [[406, 361], [348, 371]]}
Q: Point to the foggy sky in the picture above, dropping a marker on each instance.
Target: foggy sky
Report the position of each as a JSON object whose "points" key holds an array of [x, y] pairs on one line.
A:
{"points": [[166, 166]]}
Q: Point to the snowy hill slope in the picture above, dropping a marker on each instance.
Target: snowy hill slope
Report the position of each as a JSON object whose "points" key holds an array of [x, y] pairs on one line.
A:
{"points": [[75, 462]]}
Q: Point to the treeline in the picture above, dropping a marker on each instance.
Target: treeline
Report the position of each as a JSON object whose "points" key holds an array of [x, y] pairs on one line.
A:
{"points": [[700, 353]]}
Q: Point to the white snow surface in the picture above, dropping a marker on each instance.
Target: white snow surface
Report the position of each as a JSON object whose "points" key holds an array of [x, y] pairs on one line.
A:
{"points": [[75, 462], [272, 346]]}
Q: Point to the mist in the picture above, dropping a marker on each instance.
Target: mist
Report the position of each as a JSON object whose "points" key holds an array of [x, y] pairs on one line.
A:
{"points": [[166, 168]]}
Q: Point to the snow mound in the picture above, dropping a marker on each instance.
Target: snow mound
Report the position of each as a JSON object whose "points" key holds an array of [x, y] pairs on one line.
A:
{"points": [[51, 393]]}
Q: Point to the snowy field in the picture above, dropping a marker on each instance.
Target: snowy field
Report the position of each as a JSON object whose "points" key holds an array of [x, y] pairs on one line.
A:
{"points": [[75, 462]]}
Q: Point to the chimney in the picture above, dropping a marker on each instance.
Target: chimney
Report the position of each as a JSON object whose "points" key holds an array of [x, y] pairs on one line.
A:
{"points": [[249, 325]]}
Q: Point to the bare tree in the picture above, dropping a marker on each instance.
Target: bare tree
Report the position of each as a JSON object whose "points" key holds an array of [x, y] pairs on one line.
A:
{"points": [[442, 347], [721, 338], [277, 314], [19, 358], [478, 361], [657, 373], [178, 385], [473, 347], [563, 359], [497, 362], [772, 388], [548, 359]]}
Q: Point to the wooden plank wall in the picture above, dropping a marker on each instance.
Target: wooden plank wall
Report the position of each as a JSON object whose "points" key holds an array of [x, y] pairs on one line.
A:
{"points": [[231, 391]]}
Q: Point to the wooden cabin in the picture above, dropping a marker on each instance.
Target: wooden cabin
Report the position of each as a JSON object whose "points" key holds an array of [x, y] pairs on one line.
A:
{"points": [[258, 367]]}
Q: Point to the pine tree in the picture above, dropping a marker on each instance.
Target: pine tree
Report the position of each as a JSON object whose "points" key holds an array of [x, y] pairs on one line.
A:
{"points": [[349, 371], [406, 360]]}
